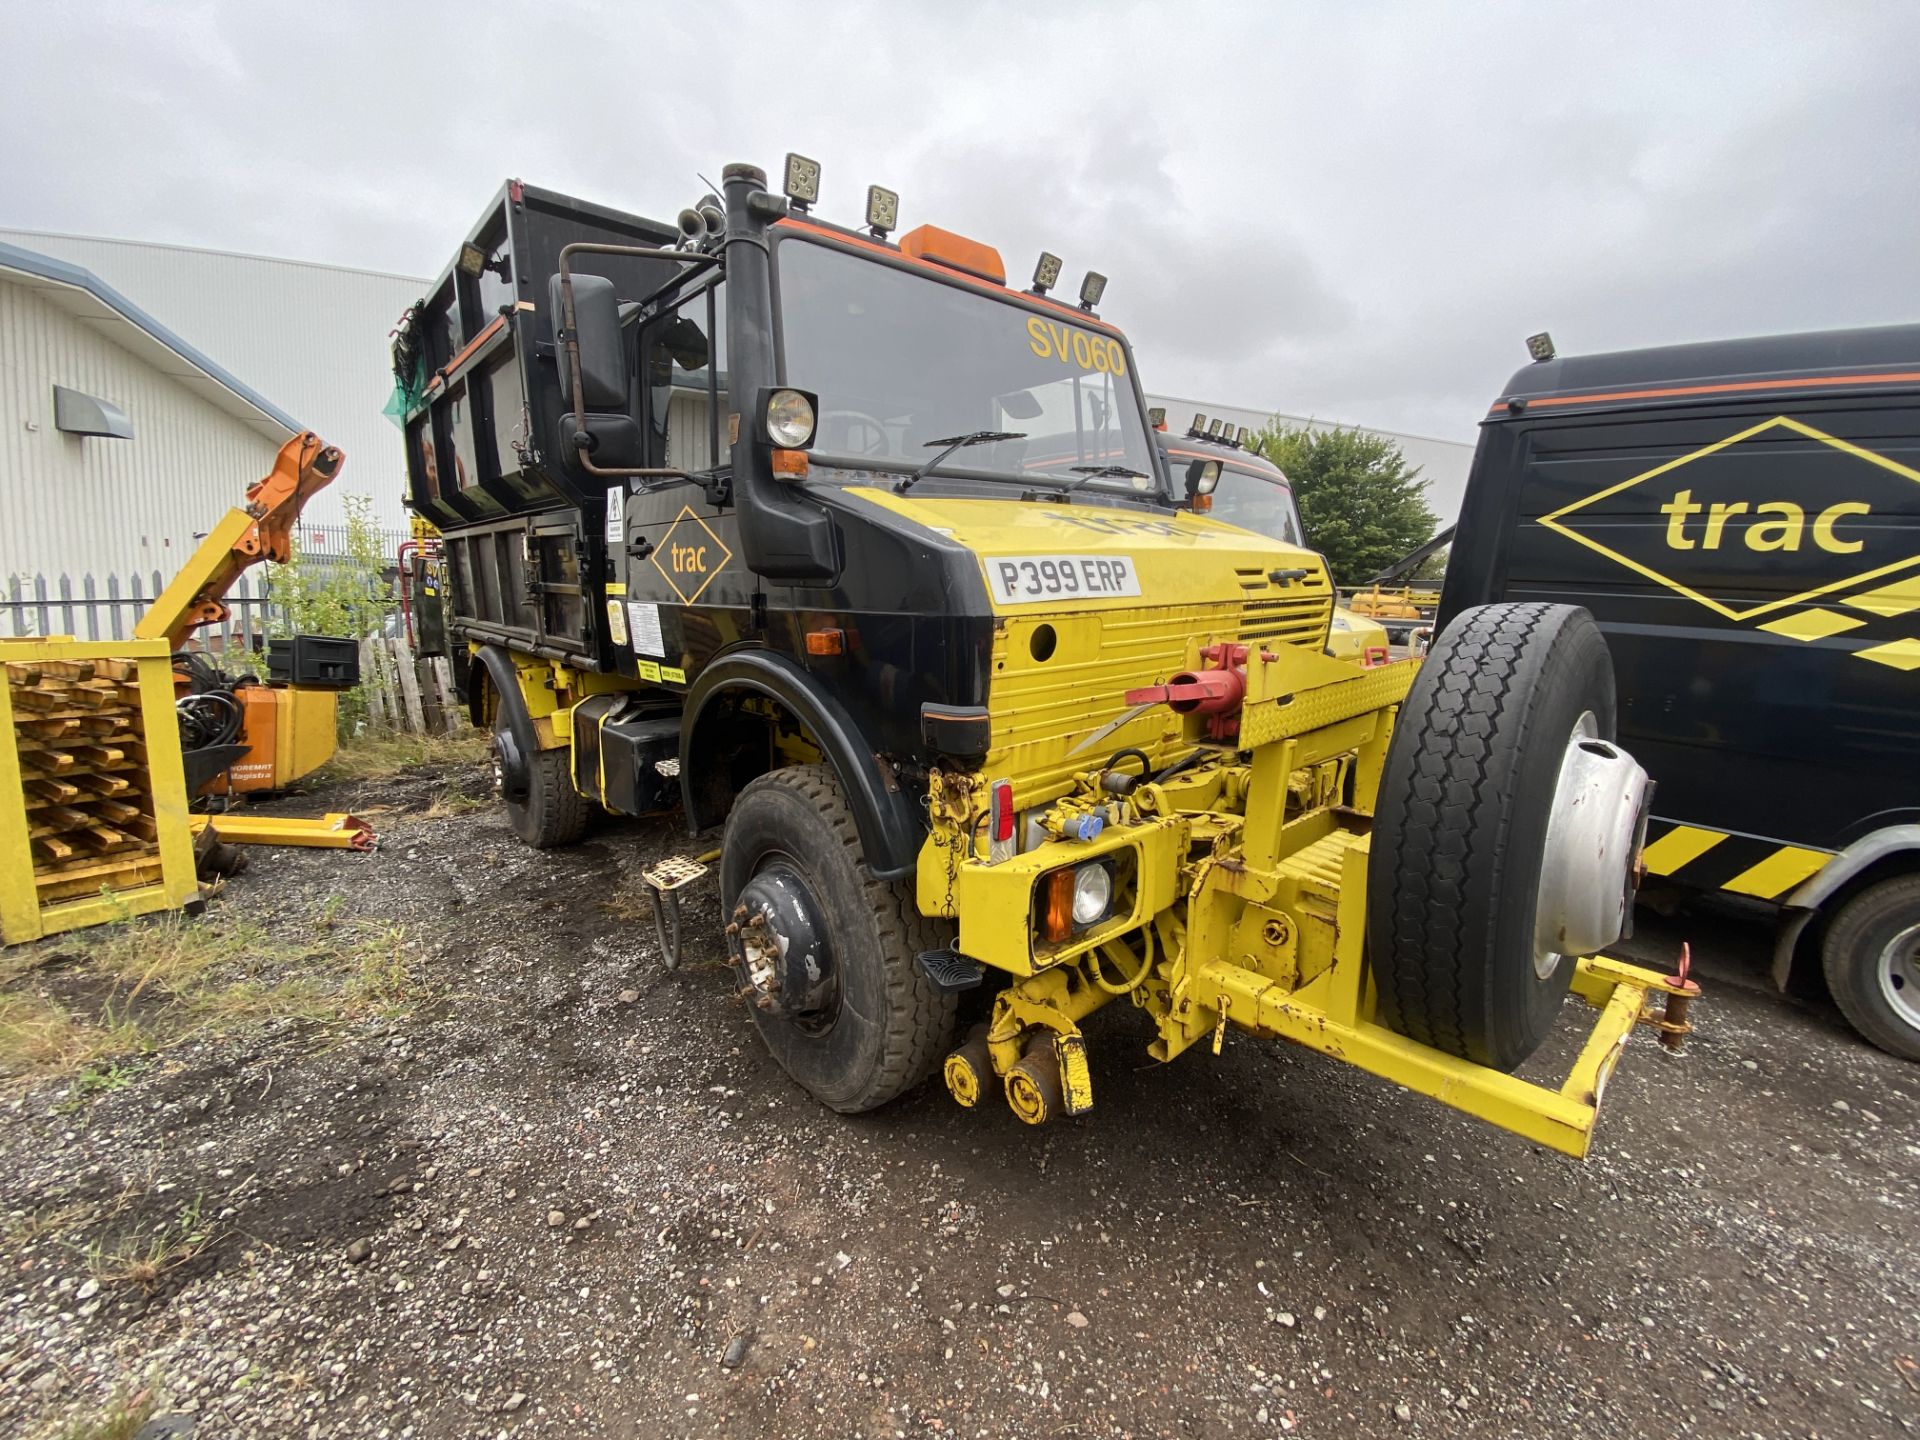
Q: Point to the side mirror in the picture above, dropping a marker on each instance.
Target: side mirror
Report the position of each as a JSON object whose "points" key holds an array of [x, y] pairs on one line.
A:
{"points": [[1202, 476], [603, 354]]}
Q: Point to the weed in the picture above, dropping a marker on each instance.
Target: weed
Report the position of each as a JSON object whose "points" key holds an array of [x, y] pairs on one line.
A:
{"points": [[100, 1077], [383, 754], [23, 1227], [172, 977], [121, 1419], [453, 801], [144, 1258]]}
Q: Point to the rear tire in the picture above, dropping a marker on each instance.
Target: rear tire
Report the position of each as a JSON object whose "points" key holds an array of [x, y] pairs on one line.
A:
{"points": [[889, 1027], [1460, 829], [548, 812], [1871, 956]]}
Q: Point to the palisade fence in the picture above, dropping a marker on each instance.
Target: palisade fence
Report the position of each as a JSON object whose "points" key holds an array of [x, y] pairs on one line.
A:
{"points": [[398, 690]]}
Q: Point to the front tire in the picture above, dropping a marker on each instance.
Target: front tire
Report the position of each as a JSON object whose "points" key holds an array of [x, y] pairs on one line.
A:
{"points": [[871, 1027], [1871, 955], [1461, 824]]}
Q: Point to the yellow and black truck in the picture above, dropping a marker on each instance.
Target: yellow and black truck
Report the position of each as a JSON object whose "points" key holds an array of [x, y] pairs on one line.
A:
{"points": [[1743, 519], [849, 545]]}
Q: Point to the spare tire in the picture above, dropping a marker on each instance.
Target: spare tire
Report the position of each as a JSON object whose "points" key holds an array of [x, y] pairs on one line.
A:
{"points": [[1465, 946]]}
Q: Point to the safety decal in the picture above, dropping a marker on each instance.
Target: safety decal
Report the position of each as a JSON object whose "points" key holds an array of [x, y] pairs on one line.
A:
{"points": [[644, 618], [616, 622], [1717, 860]]}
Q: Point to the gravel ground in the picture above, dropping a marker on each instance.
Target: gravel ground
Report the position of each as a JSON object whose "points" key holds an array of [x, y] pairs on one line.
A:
{"points": [[571, 1196]]}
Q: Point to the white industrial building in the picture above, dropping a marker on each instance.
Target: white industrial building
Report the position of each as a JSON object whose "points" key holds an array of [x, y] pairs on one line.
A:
{"points": [[118, 440], [1443, 464], [313, 338]]}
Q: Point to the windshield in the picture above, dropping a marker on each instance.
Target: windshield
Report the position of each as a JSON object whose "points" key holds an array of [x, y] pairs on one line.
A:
{"points": [[1257, 503], [900, 360]]}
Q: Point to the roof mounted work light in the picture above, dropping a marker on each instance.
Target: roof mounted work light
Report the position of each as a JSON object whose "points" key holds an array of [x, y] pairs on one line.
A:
{"points": [[1244, 438], [1091, 289], [1216, 429], [1046, 274], [1540, 347], [1199, 426], [1157, 417], [802, 180], [883, 211]]}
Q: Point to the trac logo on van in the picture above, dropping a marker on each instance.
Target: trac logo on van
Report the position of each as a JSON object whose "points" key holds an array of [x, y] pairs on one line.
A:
{"points": [[1759, 526], [689, 555]]}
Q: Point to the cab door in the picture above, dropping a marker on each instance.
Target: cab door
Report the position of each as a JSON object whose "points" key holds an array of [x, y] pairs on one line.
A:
{"points": [[689, 595]]}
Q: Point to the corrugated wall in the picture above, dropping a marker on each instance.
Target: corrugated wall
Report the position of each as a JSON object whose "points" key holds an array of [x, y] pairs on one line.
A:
{"points": [[311, 338], [102, 506]]}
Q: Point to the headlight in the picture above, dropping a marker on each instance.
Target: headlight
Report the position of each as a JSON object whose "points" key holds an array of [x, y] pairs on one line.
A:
{"points": [[1092, 893], [789, 419]]}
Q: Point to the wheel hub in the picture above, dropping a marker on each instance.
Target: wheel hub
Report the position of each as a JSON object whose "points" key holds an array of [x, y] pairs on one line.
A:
{"points": [[510, 775], [1899, 974], [781, 948], [1590, 870]]}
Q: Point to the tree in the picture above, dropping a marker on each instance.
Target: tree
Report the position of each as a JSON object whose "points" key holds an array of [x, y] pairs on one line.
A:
{"points": [[1362, 504]]}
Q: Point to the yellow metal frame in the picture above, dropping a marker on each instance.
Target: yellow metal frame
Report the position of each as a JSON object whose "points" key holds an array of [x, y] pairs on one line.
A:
{"points": [[333, 831], [22, 916], [1245, 905]]}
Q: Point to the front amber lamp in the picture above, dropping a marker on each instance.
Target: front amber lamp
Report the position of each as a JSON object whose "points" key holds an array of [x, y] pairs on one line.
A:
{"points": [[1056, 918]]}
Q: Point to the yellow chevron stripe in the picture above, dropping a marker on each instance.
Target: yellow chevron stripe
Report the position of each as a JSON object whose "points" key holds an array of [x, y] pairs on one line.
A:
{"points": [[1778, 873], [1679, 847]]}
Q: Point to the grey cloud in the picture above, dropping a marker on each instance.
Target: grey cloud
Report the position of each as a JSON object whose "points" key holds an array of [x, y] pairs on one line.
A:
{"points": [[1354, 212]]}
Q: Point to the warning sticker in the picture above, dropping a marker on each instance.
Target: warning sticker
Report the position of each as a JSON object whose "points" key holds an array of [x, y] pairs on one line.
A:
{"points": [[650, 670], [616, 515], [617, 622], [644, 617]]}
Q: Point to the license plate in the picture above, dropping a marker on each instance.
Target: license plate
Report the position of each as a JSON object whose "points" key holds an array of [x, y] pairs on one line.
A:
{"points": [[1031, 579]]}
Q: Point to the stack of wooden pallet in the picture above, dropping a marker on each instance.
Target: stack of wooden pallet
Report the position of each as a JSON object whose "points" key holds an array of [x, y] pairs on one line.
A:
{"points": [[83, 775]]}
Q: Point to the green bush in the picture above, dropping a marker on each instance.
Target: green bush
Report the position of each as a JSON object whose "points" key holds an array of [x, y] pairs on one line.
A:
{"points": [[345, 593]]}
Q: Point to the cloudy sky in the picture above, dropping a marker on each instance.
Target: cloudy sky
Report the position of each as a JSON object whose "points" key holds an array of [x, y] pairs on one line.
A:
{"points": [[1350, 211]]}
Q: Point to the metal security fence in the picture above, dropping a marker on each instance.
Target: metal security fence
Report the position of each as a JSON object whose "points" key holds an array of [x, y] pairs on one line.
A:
{"points": [[92, 609], [88, 607]]}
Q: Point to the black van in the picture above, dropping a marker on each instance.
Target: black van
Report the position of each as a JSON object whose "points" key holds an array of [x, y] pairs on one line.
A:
{"points": [[1743, 519]]}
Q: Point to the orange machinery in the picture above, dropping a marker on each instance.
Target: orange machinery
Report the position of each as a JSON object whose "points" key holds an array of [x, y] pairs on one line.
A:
{"points": [[240, 734]]}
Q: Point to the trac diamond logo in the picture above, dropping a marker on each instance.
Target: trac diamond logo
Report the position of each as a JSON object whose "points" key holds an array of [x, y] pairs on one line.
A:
{"points": [[1733, 524], [689, 555]]}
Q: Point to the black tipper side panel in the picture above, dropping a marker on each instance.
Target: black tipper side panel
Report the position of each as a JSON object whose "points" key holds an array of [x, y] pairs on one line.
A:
{"points": [[488, 455], [1754, 560]]}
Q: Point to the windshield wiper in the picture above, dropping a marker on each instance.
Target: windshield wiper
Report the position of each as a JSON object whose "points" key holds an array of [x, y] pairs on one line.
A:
{"points": [[1100, 472], [951, 444]]}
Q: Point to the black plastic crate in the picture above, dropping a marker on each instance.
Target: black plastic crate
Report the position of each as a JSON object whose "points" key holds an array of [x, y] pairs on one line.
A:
{"points": [[319, 660]]}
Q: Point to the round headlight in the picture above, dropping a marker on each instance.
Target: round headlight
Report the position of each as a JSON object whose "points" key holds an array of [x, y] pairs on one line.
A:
{"points": [[1092, 893], [789, 419]]}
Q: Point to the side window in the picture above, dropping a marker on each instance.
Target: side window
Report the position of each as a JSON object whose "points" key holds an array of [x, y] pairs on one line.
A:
{"points": [[683, 365]]}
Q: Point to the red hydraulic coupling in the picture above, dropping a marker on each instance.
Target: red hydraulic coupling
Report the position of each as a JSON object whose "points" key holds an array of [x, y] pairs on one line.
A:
{"points": [[1197, 692], [1215, 692]]}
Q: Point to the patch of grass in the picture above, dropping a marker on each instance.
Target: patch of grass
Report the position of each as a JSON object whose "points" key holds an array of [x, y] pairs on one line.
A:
{"points": [[128, 990], [23, 1227], [101, 1077], [383, 754], [143, 1257], [454, 801], [120, 1419]]}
